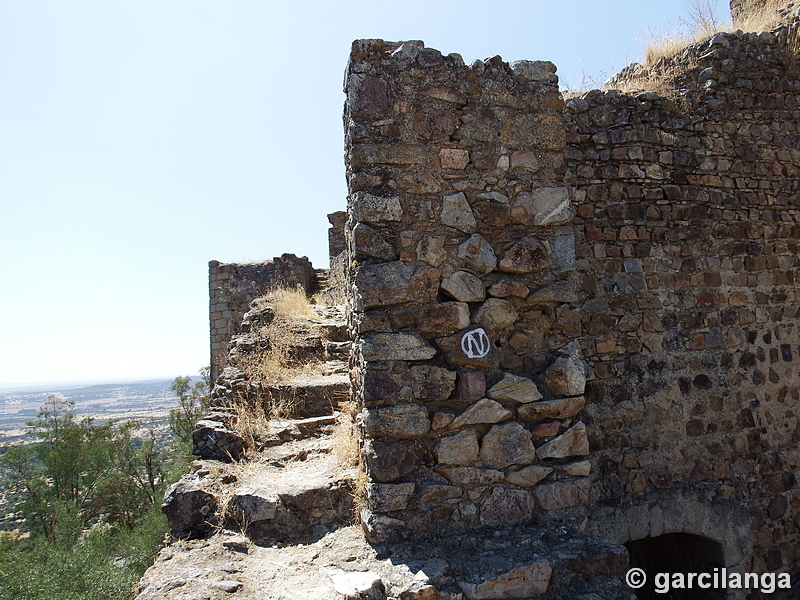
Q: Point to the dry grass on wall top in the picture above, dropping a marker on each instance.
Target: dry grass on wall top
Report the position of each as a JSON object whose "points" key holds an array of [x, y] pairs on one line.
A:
{"points": [[702, 21]]}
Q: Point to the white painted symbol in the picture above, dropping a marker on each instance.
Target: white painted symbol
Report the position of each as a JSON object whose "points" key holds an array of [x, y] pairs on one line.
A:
{"points": [[475, 343]]}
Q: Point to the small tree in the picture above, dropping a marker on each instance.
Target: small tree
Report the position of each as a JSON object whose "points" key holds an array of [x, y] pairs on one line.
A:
{"points": [[192, 403]]}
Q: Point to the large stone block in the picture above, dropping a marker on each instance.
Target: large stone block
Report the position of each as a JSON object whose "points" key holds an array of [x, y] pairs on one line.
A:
{"points": [[528, 476], [399, 422], [189, 507], [495, 314], [387, 461], [469, 348], [543, 206], [366, 96], [366, 155], [396, 346], [464, 287], [368, 208], [522, 582], [389, 497], [458, 449], [483, 411], [529, 255], [537, 130], [252, 503], [562, 408], [573, 442], [390, 283], [562, 494], [507, 444], [470, 476], [444, 317], [432, 383], [213, 441], [478, 254], [369, 243], [566, 376], [503, 506], [457, 213], [513, 388]]}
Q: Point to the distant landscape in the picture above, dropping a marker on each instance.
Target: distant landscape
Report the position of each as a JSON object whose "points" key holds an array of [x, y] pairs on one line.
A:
{"points": [[143, 401]]}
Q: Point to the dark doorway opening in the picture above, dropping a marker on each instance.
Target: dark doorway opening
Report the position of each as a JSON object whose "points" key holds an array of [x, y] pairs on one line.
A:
{"points": [[677, 553]]}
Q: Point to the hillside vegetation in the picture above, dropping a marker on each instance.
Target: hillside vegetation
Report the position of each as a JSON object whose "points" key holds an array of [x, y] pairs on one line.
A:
{"points": [[86, 497]]}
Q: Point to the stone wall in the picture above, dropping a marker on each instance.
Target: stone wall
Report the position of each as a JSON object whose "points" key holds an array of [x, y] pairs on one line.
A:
{"points": [[687, 223], [232, 286], [461, 254], [654, 237]]}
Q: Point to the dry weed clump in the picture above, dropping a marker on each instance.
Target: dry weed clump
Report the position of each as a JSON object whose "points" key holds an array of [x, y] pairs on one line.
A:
{"points": [[252, 423], [345, 436], [290, 339]]}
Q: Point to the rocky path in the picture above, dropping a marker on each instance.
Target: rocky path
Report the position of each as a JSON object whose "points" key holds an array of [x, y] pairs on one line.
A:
{"points": [[269, 511]]}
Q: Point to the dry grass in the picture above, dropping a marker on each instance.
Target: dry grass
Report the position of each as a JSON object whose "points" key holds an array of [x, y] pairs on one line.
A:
{"points": [[763, 19], [345, 436], [292, 326], [252, 423], [702, 22], [289, 303]]}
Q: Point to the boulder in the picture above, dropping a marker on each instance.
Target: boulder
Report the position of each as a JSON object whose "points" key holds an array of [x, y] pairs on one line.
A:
{"points": [[189, 507], [211, 440]]}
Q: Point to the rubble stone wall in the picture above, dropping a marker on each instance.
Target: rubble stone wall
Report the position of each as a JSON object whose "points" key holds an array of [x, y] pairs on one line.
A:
{"points": [[232, 286], [655, 238], [461, 254], [688, 225]]}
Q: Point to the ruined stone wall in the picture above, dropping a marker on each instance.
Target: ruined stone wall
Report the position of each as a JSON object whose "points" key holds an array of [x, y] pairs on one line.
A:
{"points": [[232, 286], [461, 251], [688, 221]]}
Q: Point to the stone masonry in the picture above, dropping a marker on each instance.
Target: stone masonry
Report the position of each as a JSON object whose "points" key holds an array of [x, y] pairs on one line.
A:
{"points": [[582, 310], [231, 288], [462, 255]]}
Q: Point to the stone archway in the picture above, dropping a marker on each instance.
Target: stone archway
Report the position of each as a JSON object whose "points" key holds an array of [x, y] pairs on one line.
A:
{"points": [[676, 553]]}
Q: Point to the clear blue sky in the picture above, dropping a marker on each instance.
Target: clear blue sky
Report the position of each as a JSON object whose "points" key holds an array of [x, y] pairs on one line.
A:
{"points": [[141, 139]]}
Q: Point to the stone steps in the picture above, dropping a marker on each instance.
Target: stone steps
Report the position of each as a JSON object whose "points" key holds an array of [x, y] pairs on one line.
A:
{"points": [[294, 489]]}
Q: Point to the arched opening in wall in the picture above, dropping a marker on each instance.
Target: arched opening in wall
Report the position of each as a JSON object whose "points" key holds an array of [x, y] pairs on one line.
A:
{"points": [[671, 553]]}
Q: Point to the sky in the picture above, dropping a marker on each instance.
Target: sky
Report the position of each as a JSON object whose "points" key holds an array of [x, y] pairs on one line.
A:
{"points": [[141, 139]]}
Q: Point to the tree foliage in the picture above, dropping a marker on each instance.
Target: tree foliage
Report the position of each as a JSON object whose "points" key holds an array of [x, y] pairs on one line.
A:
{"points": [[192, 403]]}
